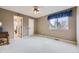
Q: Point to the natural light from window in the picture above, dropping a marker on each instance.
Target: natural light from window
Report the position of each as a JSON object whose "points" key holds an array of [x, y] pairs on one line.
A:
{"points": [[59, 23]]}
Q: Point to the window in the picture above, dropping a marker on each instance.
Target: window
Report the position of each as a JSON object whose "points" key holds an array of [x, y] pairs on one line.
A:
{"points": [[59, 23], [59, 20], [52, 24]]}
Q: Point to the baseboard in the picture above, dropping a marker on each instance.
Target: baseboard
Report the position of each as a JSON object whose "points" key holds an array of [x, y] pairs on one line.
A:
{"points": [[58, 39]]}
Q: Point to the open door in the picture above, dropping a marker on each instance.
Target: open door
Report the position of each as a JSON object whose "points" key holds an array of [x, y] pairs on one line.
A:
{"points": [[18, 27], [31, 27]]}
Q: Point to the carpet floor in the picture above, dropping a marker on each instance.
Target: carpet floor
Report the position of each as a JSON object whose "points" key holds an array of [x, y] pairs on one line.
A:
{"points": [[37, 44]]}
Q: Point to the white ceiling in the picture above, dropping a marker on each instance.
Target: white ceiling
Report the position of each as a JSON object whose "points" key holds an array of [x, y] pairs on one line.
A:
{"points": [[28, 10]]}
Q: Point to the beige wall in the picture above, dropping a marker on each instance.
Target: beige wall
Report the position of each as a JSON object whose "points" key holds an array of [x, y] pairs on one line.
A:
{"points": [[6, 17], [42, 28], [77, 26]]}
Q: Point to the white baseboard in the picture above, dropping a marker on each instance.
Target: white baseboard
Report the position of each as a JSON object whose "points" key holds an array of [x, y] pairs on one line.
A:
{"points": [[58, 39]]}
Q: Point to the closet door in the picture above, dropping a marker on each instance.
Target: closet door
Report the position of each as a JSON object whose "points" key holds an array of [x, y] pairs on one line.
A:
{"points": [[31, 27]]}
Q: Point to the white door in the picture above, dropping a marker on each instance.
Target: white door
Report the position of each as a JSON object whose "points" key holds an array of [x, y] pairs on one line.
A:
{"points": [[31, 27]]}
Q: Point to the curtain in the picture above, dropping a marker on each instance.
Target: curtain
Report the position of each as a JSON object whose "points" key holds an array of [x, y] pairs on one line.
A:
{"points": [[60, 14]]}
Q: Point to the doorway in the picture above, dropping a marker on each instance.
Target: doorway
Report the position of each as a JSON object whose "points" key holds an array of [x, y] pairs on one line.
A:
{"points": [[31, 27], [18, 27]]}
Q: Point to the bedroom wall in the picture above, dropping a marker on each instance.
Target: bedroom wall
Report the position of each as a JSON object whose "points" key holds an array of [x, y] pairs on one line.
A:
{"points": [[42, 28], [6, 17], [77, 26]]}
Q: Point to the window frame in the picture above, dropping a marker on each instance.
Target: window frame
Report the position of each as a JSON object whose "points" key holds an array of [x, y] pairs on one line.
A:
{"points": [[57, 19]]}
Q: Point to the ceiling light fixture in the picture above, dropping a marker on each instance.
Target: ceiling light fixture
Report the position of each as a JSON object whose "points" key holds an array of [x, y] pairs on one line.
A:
{"points": [[35, 9]]}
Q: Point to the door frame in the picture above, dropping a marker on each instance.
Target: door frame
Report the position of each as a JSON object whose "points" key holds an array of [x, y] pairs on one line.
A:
{"points": [[21, 27], [29, 27]]}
